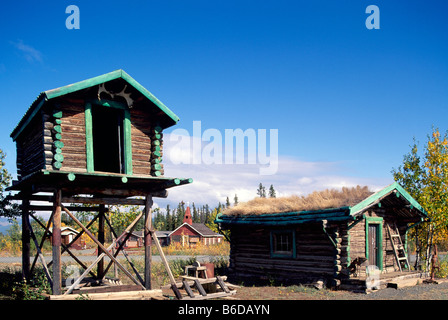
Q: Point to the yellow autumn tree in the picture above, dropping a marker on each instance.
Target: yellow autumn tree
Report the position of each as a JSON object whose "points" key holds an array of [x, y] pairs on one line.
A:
{"points": [[426, 179]]}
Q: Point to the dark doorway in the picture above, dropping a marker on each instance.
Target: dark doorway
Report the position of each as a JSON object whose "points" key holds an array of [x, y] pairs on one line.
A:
{"points": [[107, 132], [373, 244]]}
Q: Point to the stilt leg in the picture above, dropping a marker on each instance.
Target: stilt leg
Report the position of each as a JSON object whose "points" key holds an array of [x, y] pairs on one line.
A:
{"points": [[25, 241], [148, 241], [56, 237]]}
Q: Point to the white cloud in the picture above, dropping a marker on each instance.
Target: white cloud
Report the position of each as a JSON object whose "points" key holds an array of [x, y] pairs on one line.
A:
{"points": [[30, 54], [212, 183]]}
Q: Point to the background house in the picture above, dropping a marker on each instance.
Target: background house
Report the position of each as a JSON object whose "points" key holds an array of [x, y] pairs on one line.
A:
{"points": [[191, 234], [68, 234], [136, 240]]}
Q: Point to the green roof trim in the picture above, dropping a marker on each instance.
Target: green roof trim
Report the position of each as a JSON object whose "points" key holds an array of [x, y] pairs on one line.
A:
{"points": [[330, 214], [376, 198], [54, 93]]}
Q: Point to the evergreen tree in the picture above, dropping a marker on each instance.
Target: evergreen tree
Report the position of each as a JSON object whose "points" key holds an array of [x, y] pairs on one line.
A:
{"points": [[235, 200], [207, 214], [159, 221], [169, 219], [180, 213], [196, 217], [272, 193], [227, 202], [261, 191]]}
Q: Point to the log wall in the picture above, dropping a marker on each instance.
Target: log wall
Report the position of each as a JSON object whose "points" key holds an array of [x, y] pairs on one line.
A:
{"points": [[356, 240], [316, 256], [73, 136], [30, 148], [143, 143]]}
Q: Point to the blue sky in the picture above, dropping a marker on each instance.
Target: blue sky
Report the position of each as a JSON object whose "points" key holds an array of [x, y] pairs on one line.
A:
{"points": [[347, 101]]}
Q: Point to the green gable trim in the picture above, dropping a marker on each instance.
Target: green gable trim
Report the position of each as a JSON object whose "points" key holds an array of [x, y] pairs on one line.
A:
{"points": [[108, 77], [58, 92], [376, 198], [33, 110]]}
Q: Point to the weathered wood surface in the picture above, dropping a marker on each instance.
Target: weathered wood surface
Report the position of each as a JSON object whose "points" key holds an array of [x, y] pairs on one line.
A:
{"points": [[122, 295], [74, 137], [70, 129], [30, 148], [315, 254]]}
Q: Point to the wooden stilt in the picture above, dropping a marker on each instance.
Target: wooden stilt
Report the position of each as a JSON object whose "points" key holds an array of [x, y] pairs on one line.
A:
{"points": [[167, 266], [25, 241], [56, 237], [101, 218], [147, 241]]}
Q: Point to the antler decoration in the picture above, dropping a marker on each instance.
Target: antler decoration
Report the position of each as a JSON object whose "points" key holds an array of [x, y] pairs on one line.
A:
{"points": [[122, 93]]}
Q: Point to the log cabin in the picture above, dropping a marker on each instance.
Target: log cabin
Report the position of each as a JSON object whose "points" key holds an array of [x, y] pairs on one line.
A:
{"points": [[107, 124], [329, 237], [99, 142]]}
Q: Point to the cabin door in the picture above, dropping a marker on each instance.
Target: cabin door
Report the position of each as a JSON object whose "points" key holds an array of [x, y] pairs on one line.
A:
{"points": [[107, 129], [373, 238]]}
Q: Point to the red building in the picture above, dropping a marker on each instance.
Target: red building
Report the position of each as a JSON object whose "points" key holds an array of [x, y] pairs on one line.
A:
{"points": [[190, 234]]}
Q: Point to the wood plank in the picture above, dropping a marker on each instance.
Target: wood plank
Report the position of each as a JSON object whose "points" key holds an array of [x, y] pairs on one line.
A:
{"points": [[222, 284], [211, 296], [191, 281], [187, 288], [200, 288], [122, 295]]}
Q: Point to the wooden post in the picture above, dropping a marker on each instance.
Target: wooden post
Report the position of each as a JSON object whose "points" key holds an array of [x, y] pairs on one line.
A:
{"points": [[56, 238], [114, 240], [148, 241], [100, 271], [26, 249]]}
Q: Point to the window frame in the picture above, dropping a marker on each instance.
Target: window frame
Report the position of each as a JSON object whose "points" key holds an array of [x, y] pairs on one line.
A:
{"points": [[127, 142], [282, 254]]}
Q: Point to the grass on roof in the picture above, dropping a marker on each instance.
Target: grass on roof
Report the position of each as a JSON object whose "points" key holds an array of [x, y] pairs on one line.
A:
{"points": [[326, 199]]}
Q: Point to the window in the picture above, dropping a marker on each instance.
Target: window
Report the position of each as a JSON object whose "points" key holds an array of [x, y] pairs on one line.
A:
{"points": [[283, 244]]}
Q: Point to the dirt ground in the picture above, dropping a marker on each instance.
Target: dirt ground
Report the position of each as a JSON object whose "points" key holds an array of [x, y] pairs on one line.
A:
{"points": [[418, 292]]}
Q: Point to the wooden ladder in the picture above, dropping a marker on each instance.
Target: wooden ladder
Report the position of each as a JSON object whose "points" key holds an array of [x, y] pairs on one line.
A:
{"points": [[397, 245], [188, 284], [203, 293]]}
